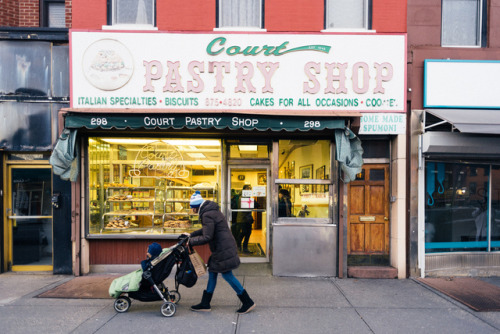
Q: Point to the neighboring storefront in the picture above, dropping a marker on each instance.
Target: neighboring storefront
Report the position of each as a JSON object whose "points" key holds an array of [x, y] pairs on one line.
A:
{"points": [[259, 123], [459, 169], [34, 85]]}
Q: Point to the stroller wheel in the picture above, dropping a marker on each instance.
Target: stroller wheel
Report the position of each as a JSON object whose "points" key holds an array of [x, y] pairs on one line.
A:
{"points": [[175, 296], [168, 309], [122, 304]]}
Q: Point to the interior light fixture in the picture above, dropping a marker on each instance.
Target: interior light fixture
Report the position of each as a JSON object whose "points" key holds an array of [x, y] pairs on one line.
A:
{"points": [[192, 142], [247, 148], [130, 141], [175, 142], [196, 155]]}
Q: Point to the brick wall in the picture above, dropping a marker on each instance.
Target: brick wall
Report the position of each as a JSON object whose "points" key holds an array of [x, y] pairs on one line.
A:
{"points": [[280, 15], [29, 11], [89, 14], [9, 13], [69, 6], [26, 13]]}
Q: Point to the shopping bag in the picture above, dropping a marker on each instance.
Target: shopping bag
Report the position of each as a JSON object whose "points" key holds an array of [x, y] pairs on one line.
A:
{"points": [[186, 274], [198, 264]]}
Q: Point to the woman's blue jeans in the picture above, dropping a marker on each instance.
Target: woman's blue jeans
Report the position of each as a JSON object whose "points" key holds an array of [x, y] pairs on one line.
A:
{"points": [[229, 277]]}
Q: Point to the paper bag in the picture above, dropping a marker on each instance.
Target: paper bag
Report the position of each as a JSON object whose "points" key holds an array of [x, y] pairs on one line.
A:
{"points": [[198, 264]]}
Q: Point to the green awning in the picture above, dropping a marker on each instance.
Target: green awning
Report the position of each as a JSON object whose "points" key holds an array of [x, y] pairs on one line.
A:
{"points": [[201, 121]]}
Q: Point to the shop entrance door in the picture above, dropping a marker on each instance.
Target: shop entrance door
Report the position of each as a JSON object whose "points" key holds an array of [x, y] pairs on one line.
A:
{"points": [[29, 218], [368, 227], [248, 211]]}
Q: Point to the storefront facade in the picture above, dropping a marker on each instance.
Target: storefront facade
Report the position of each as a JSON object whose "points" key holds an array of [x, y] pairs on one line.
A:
{"points": [[34, 85], [453, 140], [458, 169], [259, 123]]}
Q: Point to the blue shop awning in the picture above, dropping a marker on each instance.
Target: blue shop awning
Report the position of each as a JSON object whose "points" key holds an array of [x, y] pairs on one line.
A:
{"points": [[201, 121]]}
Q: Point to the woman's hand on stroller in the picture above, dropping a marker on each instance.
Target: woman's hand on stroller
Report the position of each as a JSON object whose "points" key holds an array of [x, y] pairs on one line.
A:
{"points": [[184, 239]]}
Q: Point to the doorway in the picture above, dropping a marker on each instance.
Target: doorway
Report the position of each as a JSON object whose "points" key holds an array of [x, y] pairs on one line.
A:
{"points": [[28, 217], [368, 219], [248, 211]]}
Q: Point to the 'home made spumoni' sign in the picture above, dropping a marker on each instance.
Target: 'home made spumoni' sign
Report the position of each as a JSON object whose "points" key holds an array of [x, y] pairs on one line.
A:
{"points": [[273, 72]]}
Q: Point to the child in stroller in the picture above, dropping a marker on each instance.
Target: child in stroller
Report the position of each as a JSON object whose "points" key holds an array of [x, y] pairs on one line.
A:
{"points": [[146, 284]]}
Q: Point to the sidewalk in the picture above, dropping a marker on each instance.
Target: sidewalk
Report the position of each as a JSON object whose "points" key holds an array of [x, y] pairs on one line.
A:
{"points": [[284, 305]]}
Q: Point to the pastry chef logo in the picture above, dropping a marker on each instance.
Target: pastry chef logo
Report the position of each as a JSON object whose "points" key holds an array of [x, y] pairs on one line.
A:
{"points": [[107, 64]]}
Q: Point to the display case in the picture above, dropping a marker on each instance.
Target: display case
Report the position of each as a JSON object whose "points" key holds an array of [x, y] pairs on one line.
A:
{"points": [[159, 210], [178, 215], [129, 208], [140, 187]]}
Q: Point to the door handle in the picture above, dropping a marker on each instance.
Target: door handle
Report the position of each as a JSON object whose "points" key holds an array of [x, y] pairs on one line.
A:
{"points": [[386, 219]]}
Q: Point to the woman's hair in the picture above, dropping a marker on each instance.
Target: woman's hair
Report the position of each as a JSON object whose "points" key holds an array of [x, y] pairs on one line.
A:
{"points": [[284, 192]]}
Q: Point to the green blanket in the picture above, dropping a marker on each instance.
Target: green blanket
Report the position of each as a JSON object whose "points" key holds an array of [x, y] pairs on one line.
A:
{"points": [[127, 283]]}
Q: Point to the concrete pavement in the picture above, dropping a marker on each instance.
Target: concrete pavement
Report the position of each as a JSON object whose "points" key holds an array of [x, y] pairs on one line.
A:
{"points": [[284, 305]]}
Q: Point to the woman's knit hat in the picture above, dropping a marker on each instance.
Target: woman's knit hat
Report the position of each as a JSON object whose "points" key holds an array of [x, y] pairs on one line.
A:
{"points": [[196, 200], [154, 249]]}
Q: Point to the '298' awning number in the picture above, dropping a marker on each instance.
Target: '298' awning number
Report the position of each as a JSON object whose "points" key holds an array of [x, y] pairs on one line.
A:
{"points": [[312, 124], [98, 121]]}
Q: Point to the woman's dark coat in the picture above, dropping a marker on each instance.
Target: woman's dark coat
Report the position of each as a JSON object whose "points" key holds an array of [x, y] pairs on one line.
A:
{"points": [[215, 231]]}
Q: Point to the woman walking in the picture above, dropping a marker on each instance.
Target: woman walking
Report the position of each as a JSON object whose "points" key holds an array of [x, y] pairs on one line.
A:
{"points": [[224, 259]]}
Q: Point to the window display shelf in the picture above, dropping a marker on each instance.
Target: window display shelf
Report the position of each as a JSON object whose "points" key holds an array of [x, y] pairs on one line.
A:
{"points": [[129, 209]]}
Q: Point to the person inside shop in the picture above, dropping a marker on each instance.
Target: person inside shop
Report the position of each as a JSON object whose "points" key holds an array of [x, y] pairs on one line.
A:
{"points": [[224, 258], [244, 220], [235, 200], [284, 203], [153, 251]]}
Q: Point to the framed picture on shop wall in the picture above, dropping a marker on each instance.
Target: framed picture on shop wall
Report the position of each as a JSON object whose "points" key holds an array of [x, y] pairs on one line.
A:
{"points": [[305, 172], [320, 175], [262, 178]]}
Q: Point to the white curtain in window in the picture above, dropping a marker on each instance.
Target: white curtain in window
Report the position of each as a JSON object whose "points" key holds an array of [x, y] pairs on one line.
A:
{"points": [[342, 14], [239, 13], [461, 22], [133, 11]]}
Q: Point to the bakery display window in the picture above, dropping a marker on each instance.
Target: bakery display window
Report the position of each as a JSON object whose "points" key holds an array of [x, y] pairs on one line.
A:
{"points": [[142, 186]]}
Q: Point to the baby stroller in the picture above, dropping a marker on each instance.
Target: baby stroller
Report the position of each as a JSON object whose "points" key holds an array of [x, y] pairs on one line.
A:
{"points": [[147, 286]]}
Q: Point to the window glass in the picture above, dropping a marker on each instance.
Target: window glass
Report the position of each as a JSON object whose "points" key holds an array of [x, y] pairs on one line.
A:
{"points": [[60, 71], [456, 207], [461, 22], [238, 151], [25, 126], [236, 13], [133, 12], [495, 208], [375, 148], [377, 175], [342, 14], [304, 159], [56, 15], [303, 200], [25, 68], [143, 185], [360, 176]]}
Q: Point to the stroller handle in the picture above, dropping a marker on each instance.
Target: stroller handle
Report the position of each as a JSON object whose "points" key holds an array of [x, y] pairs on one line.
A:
{"points": [[183, 239]]}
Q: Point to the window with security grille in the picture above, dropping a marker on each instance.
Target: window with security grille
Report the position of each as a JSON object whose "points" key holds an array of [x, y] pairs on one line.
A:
{"points": [[53, 13]]}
